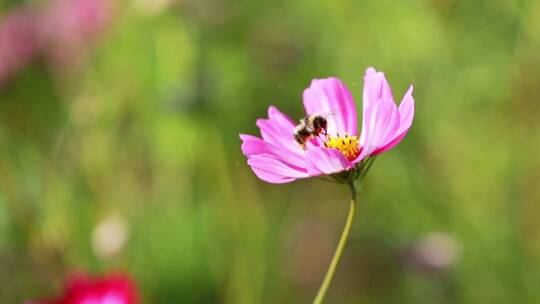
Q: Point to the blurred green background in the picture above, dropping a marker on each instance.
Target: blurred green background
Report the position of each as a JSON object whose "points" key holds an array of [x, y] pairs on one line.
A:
{"points": [[119, 151]]}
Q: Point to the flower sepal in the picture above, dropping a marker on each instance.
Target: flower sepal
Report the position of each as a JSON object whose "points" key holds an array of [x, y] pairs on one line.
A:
{"points": [[355, 174]]}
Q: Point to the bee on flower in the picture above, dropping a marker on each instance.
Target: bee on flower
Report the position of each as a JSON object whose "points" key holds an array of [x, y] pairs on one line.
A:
{"points": [[286, 152], [308, 127]]}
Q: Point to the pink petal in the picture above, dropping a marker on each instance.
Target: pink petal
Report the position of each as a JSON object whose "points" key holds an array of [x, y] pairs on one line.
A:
{"points": [[278, 130], [268, 168], [390, 145], [275, 115], [406, 112], [271, 177], [320, 161], [375, 87], [388, 130], [381, 122], [330, 97], [252, 145]]}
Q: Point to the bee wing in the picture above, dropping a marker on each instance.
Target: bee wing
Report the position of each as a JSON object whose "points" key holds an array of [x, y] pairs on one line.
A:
{"points": [[329, 113], [324, 114]]}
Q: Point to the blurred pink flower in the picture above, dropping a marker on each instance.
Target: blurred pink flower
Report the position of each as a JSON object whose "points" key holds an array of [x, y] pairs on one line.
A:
{"points": [[433, 252], [18, 41], [61, 29], [112, 289], [66, 26], [278, 158]]}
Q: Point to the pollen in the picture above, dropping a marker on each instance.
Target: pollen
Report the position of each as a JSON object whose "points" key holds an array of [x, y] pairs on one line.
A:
{"points": [[348, 145]]}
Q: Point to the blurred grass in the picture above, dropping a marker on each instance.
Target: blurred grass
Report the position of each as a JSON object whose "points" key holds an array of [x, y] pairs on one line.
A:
{"points": [[146, 127]]}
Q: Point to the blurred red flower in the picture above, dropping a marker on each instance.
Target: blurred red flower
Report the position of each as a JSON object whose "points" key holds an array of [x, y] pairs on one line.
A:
{"points": [[83, 289]]}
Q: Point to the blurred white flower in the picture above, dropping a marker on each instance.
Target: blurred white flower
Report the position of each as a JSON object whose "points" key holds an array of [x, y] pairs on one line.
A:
{"points": [[151, 7], [435, 251], [110, 237]]}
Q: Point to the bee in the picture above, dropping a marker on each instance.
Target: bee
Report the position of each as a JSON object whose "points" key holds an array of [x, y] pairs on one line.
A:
{"points": [[309, 126]]}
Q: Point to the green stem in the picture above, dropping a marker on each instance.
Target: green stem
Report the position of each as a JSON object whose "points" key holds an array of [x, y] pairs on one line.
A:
{"points": [[339, 250]]}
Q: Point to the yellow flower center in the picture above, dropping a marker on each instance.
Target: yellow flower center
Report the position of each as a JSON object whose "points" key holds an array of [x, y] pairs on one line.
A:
{"points": [[348, 145]]}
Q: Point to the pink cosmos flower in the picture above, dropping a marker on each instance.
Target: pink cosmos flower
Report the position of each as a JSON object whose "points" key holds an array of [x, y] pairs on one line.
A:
{"points": [[112, 289], [278, 158]]}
